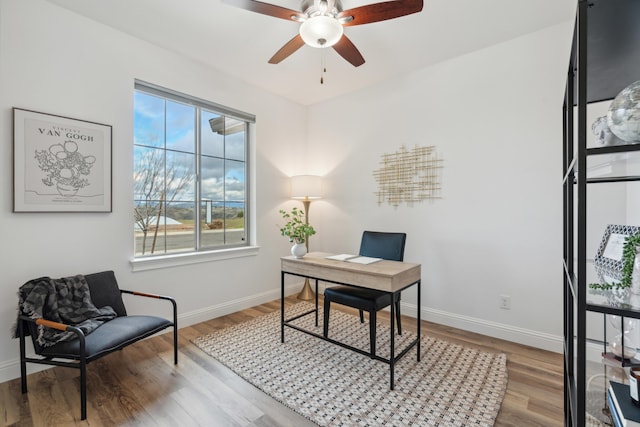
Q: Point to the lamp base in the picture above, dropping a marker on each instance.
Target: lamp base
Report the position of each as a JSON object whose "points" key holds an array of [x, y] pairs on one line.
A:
{"points": [[306, 294]]}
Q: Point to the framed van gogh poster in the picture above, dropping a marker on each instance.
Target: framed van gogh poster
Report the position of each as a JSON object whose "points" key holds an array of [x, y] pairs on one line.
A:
{"points": [[60, 164]]}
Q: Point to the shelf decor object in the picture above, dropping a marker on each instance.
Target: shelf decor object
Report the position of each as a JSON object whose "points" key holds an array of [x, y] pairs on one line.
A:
{"points": [[60, 164], [615, 256], [409, 176], [306, 188], [622, 345], [623, 117]]}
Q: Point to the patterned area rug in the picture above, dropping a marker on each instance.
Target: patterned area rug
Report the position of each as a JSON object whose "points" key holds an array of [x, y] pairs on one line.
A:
{"points": [[452, 385]]}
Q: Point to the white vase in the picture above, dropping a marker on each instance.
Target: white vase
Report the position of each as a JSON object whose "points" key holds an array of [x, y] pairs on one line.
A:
{"points": [[299, 250]]}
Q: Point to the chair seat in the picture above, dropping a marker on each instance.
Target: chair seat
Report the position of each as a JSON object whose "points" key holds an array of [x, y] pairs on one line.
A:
{"points": [[389, 246], [110, 336], [360, 298]]}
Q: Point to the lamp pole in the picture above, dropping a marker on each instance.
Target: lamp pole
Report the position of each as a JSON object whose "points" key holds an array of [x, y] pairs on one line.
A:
{"points": [[306, 294], [306, 188]]}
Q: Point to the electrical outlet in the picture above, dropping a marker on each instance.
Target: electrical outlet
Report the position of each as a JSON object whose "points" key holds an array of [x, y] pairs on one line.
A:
{"points": [[505, 302]]}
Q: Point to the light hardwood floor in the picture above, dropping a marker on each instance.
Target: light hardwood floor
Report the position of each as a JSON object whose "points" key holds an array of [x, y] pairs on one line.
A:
{"points": [[141, 386]]}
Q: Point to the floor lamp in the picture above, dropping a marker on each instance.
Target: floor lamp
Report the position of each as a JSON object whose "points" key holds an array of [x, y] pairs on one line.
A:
{"points": [[306, 188]]}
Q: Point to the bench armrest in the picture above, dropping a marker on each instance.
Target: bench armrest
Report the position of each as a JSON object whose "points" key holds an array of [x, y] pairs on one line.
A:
{"points": [[51, 324], [144, 294], [163, 297], [54, 325]]}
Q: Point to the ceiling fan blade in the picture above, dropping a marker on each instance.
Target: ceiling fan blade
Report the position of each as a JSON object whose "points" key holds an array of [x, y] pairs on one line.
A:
{"points": [[377, 12], [267, 9], [349, 51], [286, 50]]}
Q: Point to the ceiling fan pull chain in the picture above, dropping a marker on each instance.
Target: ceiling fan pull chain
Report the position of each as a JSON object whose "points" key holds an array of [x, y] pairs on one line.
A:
{"points": [[323, 68]]}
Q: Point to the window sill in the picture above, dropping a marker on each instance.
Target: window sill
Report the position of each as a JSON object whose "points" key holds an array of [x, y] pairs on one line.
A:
{"points": [[167, 261]]}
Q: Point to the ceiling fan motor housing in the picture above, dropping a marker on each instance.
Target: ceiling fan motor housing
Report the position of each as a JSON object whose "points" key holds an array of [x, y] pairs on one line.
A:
{"points": [[314, 7]]}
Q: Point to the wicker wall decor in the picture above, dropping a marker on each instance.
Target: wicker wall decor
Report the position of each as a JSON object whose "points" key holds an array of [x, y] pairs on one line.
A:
{"points": [[409, 176]]}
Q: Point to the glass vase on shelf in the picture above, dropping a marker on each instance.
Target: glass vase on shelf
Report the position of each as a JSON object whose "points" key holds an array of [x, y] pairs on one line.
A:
{"points": [[624, 326]]}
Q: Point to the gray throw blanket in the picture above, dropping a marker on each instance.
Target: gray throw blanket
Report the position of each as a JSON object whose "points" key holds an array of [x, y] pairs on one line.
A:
{"points": [[65, 300]]}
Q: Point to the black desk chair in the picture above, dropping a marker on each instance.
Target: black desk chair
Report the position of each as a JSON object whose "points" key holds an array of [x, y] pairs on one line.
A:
{"points": [[375, 244]]}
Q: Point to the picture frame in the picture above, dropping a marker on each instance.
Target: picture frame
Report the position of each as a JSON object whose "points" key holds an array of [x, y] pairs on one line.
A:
{"points": [[60, 164], [609, 260]]}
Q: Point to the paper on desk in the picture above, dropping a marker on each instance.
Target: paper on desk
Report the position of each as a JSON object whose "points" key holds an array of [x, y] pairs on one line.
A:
{"points": [[364, 260], [342, 257]]}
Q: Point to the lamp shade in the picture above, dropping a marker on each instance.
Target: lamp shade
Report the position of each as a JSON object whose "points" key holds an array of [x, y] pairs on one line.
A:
{"points": [[306, 187]]}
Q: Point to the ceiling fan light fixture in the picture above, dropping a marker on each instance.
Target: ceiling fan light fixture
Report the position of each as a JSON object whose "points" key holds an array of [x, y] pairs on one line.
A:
{"points": [[321, 31]]}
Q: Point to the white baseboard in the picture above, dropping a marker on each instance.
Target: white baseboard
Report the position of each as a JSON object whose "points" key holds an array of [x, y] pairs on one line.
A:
{"points": [[212, 312], [493, 329]]}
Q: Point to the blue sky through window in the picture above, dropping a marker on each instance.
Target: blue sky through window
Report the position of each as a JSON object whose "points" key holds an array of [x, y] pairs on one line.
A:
{"points": [[171, 125]]}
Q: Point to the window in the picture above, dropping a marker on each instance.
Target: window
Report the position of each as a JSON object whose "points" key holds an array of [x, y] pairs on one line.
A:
{"points": [[190, 173]]}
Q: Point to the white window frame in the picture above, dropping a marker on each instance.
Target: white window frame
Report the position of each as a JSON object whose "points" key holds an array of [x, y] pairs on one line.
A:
{"points": [[197, 255]]}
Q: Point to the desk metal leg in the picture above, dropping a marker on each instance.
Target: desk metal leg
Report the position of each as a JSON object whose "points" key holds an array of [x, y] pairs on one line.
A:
{"points": [[392, 356], [316, 303], [419, 322], [282, 307]]}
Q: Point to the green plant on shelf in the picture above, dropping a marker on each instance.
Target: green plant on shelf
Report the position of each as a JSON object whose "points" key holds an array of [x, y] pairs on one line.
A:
{"points": [[628, 256]]}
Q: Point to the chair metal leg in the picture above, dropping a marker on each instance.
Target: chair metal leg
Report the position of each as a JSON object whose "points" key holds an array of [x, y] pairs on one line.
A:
{"points": [[83, 371], [398, 317], [23, 362], [175, 345], [372, 332], [361, 316], [83, 389], [325, 319], [175, 331]]}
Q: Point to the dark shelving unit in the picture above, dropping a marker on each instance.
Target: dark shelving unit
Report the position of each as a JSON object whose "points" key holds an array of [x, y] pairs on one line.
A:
{"points": [[605, 58]]}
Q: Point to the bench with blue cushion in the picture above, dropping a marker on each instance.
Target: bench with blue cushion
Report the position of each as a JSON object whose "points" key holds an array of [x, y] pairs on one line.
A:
{"points": [[112, 335]]}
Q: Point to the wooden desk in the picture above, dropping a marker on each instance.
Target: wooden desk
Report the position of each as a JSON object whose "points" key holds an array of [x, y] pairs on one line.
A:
{"points": [[388, 276]]}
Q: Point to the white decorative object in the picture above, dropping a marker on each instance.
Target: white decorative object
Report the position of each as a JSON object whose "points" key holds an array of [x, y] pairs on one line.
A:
{"points": [[623, 117], [299, 250], [604, 136]]}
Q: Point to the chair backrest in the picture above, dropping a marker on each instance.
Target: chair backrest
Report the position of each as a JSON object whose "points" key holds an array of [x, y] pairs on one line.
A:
{"points": [[383, 245], [105, 291]]}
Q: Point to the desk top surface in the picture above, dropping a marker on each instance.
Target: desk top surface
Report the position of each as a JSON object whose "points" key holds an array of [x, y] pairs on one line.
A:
{"points": [[383, 275]]}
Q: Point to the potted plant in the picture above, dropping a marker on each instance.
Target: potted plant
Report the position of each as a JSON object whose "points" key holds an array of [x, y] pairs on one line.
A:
{"points": [[297, 229]]}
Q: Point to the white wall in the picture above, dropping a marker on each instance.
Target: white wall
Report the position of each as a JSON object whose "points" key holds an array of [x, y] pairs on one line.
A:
{"points": [[57, 62], [495, 117]]}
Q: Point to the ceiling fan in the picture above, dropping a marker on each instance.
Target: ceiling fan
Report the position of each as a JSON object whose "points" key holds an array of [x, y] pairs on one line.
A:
{"points": [[322, 21]]}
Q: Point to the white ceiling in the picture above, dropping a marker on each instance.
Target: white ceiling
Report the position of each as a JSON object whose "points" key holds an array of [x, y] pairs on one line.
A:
{"points": [[240, 43]]}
